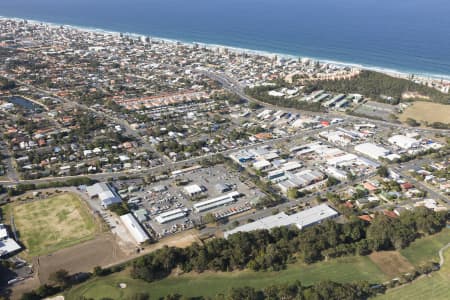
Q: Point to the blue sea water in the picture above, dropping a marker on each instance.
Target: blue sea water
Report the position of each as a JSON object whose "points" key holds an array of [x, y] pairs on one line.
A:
{"points": [[410, 36]]}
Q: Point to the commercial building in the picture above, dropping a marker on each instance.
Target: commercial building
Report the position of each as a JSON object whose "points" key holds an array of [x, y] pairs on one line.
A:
{"points": [[300, 179], [261, 165], [171, 215], [404, 142], [7, 245], [193, 190], [372, 150], [216, 202], [135, 229], [301, 219], [105, 193]]}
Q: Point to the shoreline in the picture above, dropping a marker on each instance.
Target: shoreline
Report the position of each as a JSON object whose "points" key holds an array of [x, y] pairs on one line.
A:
{"points": [[391, 72]]}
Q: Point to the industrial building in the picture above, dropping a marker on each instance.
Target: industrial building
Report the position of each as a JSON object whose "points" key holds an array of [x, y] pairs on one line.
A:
{"points": [[135, 229], [216, 202], [300, 179], [372, 150], [105, 193], [171, 215], [193, 189], [404, 142], [301, 219], [7, 245]]}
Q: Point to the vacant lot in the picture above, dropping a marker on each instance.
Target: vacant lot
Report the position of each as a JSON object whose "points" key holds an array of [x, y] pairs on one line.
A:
{"points": [[100, 251], [427, 112], [345, 269], [45, 226], [426, 249], [391, 263]]}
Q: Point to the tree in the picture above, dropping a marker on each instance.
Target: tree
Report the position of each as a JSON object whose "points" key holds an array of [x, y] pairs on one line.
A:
{"points": [[254, 105], [332, 181], [209, 218], [411, 122], [292, 193], [60, 277], [245, 293], [383, 171]]}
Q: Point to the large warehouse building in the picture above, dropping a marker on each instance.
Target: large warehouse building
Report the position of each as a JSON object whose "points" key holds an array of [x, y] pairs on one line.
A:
{"points": [[105, 193], [135, 229], [216, 202], [404, 142], [302, 219], [372, 150], [171, 215], [8, 245]]}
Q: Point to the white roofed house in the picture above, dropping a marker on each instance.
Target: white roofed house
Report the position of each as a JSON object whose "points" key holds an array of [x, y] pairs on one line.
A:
{"points": [[105, 193]]}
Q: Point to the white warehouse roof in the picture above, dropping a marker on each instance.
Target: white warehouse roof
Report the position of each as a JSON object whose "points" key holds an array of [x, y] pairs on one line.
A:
{"points": [[372, 150], [170, 215], [213, 203], [193, 189], [135, 229], [105, 193], [301, 219], [8, 246], [3, 232], [403, 141]]}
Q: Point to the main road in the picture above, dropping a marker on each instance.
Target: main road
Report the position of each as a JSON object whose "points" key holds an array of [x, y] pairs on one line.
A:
{"points": [[167, 166], [236, 87]]}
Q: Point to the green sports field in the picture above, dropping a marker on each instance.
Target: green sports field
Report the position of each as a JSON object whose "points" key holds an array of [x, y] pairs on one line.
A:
{"points": [[47, 225]]}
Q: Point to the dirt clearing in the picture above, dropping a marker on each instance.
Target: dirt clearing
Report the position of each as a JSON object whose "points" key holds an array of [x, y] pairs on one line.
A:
{"points": [[101, 251], [391, 263], [427, 112]]}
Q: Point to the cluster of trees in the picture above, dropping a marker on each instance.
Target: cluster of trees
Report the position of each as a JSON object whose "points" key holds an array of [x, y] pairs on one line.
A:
{"points": [[377, 86], [440, 125], [119, 208], [24, 187], [174, 146], [412, 122], [264, 250], [6, 84], [261, 93], [61, 280], [323, 290]]}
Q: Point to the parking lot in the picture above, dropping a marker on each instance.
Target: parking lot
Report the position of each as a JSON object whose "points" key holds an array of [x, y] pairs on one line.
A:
{"points": [[173, 195]]}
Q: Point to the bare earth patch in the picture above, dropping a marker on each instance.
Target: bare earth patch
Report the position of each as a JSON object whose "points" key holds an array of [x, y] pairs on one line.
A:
{"points": [[391, 263], [101, 251], [427, 112]]}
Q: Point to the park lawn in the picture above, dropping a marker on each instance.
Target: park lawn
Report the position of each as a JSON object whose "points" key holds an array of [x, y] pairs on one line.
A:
{"points": [[346, 269], [426, 249], [435, 287], [45, 226]]}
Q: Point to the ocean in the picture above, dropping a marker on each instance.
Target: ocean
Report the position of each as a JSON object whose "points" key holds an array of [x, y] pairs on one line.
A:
{"points": [[409, 36]]}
